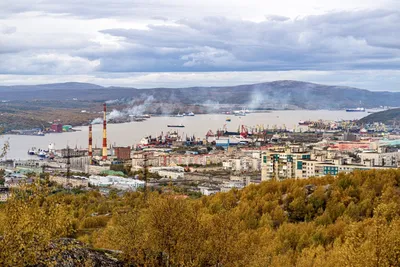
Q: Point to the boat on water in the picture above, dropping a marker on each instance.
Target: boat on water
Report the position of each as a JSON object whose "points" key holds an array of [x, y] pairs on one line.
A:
{"points": [[228, 119], [355, 110], [179, 115], [240, 112], [305, 123], [32, 151], [39, 133], [176, 126], [191, 114], [42, 154]]}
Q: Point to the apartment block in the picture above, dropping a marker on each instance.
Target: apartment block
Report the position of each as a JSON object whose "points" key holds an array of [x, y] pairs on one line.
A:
{"points": [[281, 165]]}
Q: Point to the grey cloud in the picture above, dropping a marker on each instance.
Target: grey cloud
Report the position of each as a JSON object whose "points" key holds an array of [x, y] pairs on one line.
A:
{"points": [[5, 29], [333, 41], [160, 18], [276, 18], [341, 40], [48, 63], [88, 8]]}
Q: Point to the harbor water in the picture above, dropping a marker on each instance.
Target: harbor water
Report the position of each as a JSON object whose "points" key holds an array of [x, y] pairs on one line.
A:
{"points": [[128, 134]]}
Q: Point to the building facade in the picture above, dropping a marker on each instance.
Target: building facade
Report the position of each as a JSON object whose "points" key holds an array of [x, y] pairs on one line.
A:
{"points": [[281, 165], [57, 127], [122, 153]]}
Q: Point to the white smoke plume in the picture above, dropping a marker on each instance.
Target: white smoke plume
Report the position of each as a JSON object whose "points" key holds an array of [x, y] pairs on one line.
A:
{"points": [[97, 121], [137, 110], [115, 114], [211, 106], [256, 100]]}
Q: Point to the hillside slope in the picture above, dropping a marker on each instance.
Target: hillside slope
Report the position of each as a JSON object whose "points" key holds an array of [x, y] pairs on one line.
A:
{"points": [[278, 94], [388, 117], [349, 220]]}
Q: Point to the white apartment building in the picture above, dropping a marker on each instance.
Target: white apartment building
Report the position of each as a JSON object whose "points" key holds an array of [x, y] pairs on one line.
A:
{"points": [[372, 159], [280, 165]]}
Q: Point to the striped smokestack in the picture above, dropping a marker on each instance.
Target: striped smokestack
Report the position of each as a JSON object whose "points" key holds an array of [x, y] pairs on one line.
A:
{"points": [[90, 149], [105, 133]]}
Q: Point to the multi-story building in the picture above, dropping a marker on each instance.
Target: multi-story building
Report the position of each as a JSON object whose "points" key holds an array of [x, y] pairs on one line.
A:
{"points": [[169, 172], [281, 165], [312, 168], [122, 153], [372, 159], [74, 181], [141, 159], [65, 152], [243, 164]]}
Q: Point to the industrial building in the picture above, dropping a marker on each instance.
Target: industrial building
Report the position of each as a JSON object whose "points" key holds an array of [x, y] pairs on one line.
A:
{"points": [[122, 153], [116, 181], [57, 127]]}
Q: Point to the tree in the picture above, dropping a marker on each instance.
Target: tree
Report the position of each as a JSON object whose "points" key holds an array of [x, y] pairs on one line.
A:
{"points": [[31, 224]]}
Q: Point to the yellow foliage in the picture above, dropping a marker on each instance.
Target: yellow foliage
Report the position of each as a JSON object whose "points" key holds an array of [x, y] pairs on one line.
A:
{"points": [[351, 220]]}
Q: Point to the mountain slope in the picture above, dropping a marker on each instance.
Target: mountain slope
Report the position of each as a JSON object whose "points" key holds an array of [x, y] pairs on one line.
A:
{"points": [[388, 117], [278, 94]]}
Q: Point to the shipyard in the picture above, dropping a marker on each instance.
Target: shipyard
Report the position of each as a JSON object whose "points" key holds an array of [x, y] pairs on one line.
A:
{"points": [[217, 161]]}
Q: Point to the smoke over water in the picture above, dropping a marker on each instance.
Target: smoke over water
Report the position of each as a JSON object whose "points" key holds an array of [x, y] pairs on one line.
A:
{"points": [[97, 121], [256, 100], [137, 107], [115, 114], [211, 106], [137, 110], [273, 99]]}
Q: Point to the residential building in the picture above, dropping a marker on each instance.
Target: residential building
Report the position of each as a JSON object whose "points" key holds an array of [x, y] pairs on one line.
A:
{"points": [[74, 181], [227, 186], [168, 172], [311, 168], [207, 191], [280, 165], [373, 158]]}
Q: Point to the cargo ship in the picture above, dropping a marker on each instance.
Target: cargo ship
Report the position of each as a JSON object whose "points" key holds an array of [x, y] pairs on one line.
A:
{"points": [[305, 123], [176, 126], [355, 110]]}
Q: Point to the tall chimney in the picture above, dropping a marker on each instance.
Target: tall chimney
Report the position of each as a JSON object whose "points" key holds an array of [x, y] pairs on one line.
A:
{"points": [[90, 149], [105, 133]]}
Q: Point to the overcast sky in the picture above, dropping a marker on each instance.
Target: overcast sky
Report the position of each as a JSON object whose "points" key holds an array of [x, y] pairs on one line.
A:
{"points": [[177, 43]]}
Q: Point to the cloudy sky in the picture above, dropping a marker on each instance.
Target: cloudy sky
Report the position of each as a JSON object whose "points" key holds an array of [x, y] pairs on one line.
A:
{"points": [[177, 43]]}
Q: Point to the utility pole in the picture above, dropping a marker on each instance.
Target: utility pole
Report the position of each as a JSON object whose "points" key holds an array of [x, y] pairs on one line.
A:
{"points": [[145, 176], [68, 165]]}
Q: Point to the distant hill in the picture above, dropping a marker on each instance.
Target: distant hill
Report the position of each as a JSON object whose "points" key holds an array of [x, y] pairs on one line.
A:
{"points": [[388, 117], [52, 86], [278, 94]]}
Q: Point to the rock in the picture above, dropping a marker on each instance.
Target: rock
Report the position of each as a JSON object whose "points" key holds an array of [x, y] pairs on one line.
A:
{"points": [[74, 253], [310, 188]]}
